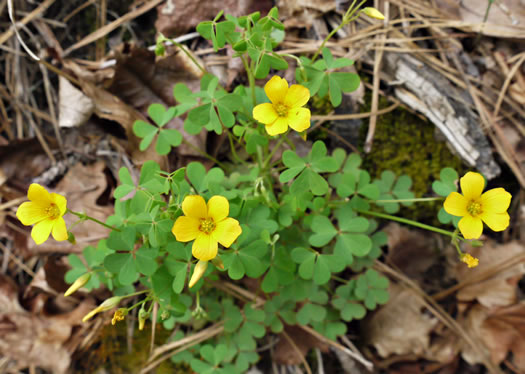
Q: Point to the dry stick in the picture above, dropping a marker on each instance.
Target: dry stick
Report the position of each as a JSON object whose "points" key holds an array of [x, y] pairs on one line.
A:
{"points": [[375, 91], [73, 13], [101, 43], [12, 30], [506, 84], [297, 351], [17, 261], [153, 325], [103, 31], [338, 117], [441, 314], [169, 349]]}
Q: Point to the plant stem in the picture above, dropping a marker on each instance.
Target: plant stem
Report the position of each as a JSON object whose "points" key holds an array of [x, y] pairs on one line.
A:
{"points": [[347, 18], [188, 53], [84, 217], [275, 148], [251, 79], [410, 222], [408, 200], [232, 146], [203, 153]]}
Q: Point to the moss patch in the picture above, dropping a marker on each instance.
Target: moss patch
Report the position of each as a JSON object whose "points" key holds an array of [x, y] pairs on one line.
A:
{"points": [[406, 144]]}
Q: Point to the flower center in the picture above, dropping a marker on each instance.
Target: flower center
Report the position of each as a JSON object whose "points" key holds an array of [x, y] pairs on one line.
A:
{"points": [[474, 208], [207, 225], [281, 109], [52, 211]]}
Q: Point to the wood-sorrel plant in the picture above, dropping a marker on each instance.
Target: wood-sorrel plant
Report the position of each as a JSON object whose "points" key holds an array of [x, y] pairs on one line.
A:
{"points": [[298, 225]]}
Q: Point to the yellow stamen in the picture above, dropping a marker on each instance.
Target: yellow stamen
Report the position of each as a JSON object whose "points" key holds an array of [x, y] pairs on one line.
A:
{"points": [[207, 225], [52, 211], [281, 109], [474, 208]]}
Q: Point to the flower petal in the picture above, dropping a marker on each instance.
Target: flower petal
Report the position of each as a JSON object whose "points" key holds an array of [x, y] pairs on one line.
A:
{"points": [[194, 206], [227, 231], [205, 247], [41, 230], [60, 202], [297, 96], [218, 208], [186, 229], [470, 227], [496, 200], [278, 127], [472, 185], [59, 230], [456, 204], [31, 212], [496, 221], [38, 193], [299, 119], [276, 89], [265, 113]]}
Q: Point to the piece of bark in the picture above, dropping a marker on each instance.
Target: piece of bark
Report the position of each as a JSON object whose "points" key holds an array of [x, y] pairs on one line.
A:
{"points": [[425, 90]]}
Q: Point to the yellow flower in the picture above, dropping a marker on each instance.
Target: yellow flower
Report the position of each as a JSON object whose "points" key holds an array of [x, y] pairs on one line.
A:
{"points": [[207, 225], [471, 261], [45, 211], [476, 208], [285, 108]]}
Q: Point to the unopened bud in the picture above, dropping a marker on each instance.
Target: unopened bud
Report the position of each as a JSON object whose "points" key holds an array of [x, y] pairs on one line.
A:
{"points": [[373, 13], [108, 304], [78, 284], [143, 316], [218, 262], [198, 272]]}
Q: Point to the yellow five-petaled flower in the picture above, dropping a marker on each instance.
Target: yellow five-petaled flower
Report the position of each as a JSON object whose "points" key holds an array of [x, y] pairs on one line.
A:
{"points": [[45, 211], [476, 208], [285, 108], [208, 225]]}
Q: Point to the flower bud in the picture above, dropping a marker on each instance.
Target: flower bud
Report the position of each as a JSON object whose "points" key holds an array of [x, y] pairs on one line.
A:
{"points": [[218, 263], [143, 316], [78, 284], [198, 272], [106, 305], [373, 13]]}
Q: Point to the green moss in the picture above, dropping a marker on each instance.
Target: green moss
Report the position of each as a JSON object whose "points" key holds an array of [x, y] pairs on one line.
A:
{"points": [[110, 352], [406, 144]]}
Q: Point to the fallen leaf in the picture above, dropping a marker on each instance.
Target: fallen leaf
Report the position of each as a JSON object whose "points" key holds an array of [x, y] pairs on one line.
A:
{"points": [[400, 326], [502, 331], [505, 18], [500, 289], [74, 108]]}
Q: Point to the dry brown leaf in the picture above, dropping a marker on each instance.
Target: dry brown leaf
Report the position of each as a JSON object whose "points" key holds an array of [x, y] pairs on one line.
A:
{"points": [[400, 327], [506, 17], [502, 331], [301, 13], [74, 107], [411, 251], [500, 289], [31, 339], [178, 16]]}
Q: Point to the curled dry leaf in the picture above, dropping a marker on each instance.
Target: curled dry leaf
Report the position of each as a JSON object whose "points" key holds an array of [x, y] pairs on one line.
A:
{"points": [[500, 289], [501, 330], [286, 354], [74, 108], [37, 340], [400, 327]]}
